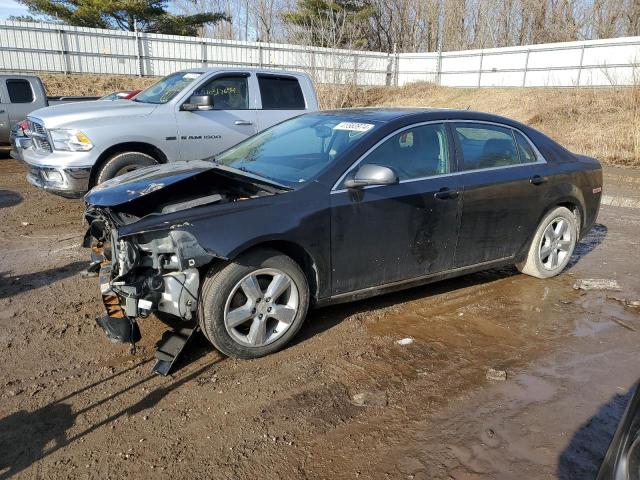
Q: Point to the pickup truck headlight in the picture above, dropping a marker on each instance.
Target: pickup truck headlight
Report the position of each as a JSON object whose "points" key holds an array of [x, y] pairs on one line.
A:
{"points": [[70, 139]]}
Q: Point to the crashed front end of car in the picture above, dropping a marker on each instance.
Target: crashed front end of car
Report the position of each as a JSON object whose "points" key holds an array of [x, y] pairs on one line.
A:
{"points": [[155, 271], [142, 231]]}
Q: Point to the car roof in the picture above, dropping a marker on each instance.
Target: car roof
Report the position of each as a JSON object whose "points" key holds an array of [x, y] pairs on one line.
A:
{"points": [[244, 69], [390, 114]]}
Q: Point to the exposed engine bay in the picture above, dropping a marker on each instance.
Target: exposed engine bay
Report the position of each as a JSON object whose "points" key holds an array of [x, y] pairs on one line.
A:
{"points": [[156, 269]]}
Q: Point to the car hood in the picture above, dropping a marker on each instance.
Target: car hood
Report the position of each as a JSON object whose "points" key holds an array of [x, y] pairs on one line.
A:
{"points": [[71, 114], [133, 185], [194, 179]]}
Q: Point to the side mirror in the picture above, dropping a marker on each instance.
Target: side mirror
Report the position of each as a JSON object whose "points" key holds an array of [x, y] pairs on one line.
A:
{"points": [[198, 102], [369, 174]]}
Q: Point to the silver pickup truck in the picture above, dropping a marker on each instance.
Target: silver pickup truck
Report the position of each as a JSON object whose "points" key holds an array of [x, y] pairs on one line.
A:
{"points": [[191, 114]]}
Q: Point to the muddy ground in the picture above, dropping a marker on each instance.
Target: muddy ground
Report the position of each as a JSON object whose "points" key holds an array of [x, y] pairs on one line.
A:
{"points": [[73, 405]]}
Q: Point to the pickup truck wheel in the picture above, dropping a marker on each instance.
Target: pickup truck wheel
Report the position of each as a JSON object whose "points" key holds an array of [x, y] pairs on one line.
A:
{"points": [[552, 244], [123, 163], [255, 305]]}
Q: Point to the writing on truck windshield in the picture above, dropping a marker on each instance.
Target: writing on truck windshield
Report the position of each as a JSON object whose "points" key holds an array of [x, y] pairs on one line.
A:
{"points": [[167, 88]]}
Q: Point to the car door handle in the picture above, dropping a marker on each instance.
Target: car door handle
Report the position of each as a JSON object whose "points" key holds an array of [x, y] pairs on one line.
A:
{"points": [[1, 111], [243, 122], [536, 180], [446, 193]]}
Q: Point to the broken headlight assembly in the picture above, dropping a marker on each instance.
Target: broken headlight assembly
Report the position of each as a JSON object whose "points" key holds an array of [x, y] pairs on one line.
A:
{"points": [[152, 273]]}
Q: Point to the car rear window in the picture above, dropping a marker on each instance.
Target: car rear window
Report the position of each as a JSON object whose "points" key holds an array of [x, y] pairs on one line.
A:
{"points": [[19, 91], [486, 146], [280, 93], [527, 155]]}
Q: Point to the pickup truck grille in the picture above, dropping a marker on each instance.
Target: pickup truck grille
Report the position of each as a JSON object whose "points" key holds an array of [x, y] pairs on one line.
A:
{"points": [[39, 136]]}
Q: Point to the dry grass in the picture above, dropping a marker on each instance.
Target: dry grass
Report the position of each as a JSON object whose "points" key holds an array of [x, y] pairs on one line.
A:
{"points": [[604, 123], [93, 85]]}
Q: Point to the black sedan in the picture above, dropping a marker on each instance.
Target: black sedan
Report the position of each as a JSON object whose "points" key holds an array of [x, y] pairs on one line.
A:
{"points": [[331, 207]]}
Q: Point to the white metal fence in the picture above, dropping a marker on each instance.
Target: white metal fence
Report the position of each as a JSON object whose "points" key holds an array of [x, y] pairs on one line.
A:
{"points": [[586, 63], [61, 48], [45, 47]]}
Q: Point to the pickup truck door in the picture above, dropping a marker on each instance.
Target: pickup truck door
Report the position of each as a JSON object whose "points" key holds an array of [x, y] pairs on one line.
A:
{"points": [[17, 100], [281, 98], [204, 133], [4, 120]]}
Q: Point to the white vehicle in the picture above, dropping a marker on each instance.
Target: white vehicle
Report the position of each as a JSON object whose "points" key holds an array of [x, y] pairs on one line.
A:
{"points": [[188, 115]]}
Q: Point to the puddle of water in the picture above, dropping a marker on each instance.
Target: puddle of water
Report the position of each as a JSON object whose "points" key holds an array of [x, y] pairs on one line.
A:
{"points": [[603, 314], [494, 309]]}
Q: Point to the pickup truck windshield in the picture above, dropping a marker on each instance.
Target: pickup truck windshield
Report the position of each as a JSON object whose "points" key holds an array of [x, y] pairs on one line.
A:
{"points": [[297, 150], [167, 88]]}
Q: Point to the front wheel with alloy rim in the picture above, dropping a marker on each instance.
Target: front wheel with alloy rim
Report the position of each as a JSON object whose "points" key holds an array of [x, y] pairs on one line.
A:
{"points": [[254, 305], [552, 244]]}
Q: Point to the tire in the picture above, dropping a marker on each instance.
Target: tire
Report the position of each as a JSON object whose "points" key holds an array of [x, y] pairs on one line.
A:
{"points": [[122, 163], [551, 238], [234, 306]]}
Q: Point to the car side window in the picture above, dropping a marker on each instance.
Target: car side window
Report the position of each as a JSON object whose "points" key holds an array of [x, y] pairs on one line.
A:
{"points": [[417, 152], [19, 91], [486, 146], [229, 92], [280, 93], [527, 155]]}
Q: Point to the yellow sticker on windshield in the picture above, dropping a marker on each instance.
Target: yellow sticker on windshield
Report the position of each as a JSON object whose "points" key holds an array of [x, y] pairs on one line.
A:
{"points": [[354, 126]]}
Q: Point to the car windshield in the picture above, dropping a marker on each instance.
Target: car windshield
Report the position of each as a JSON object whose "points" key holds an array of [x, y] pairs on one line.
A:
{"points": [[167, 88], [296, 151]]}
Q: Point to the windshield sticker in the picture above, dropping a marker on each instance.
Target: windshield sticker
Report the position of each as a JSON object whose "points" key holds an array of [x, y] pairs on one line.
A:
{"points": [[191, 76], [354, 126]]}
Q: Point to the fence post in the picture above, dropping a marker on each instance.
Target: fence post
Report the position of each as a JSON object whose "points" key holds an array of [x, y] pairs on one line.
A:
{"points": [[203, 53], [439, 68], [396, 65], [355, 69], [333, 69], [314, 70], [480, 71], [526, 66], [139, 50], [580, 67], [64, 54], [260, 55]]}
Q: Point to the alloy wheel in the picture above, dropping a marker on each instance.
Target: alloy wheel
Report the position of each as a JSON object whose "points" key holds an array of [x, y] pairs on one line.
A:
{"points": [[556, 244], [261, 307]]}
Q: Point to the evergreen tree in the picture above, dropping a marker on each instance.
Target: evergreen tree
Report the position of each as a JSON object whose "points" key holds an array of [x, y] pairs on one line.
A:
{"points": [[145, 15]]}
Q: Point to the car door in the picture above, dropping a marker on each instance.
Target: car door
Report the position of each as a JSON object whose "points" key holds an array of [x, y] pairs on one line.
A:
{"points": [[281, 98], [504, 186], [4, 116], [386, 234], [203, 133]]}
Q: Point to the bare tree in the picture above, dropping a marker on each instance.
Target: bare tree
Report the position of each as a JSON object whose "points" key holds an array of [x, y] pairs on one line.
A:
{"points": [[414, 25]]}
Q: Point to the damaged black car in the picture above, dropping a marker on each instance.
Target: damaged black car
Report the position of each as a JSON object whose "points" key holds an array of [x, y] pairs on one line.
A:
{"points": [[331, 207]]}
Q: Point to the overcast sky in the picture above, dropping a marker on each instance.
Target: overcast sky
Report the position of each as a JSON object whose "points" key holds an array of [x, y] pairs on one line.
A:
{"points": [[11, 7]]}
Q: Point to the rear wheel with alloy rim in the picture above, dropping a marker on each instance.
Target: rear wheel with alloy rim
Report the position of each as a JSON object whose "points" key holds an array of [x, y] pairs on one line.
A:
{"points": [[254, 305], [552, 244]]}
